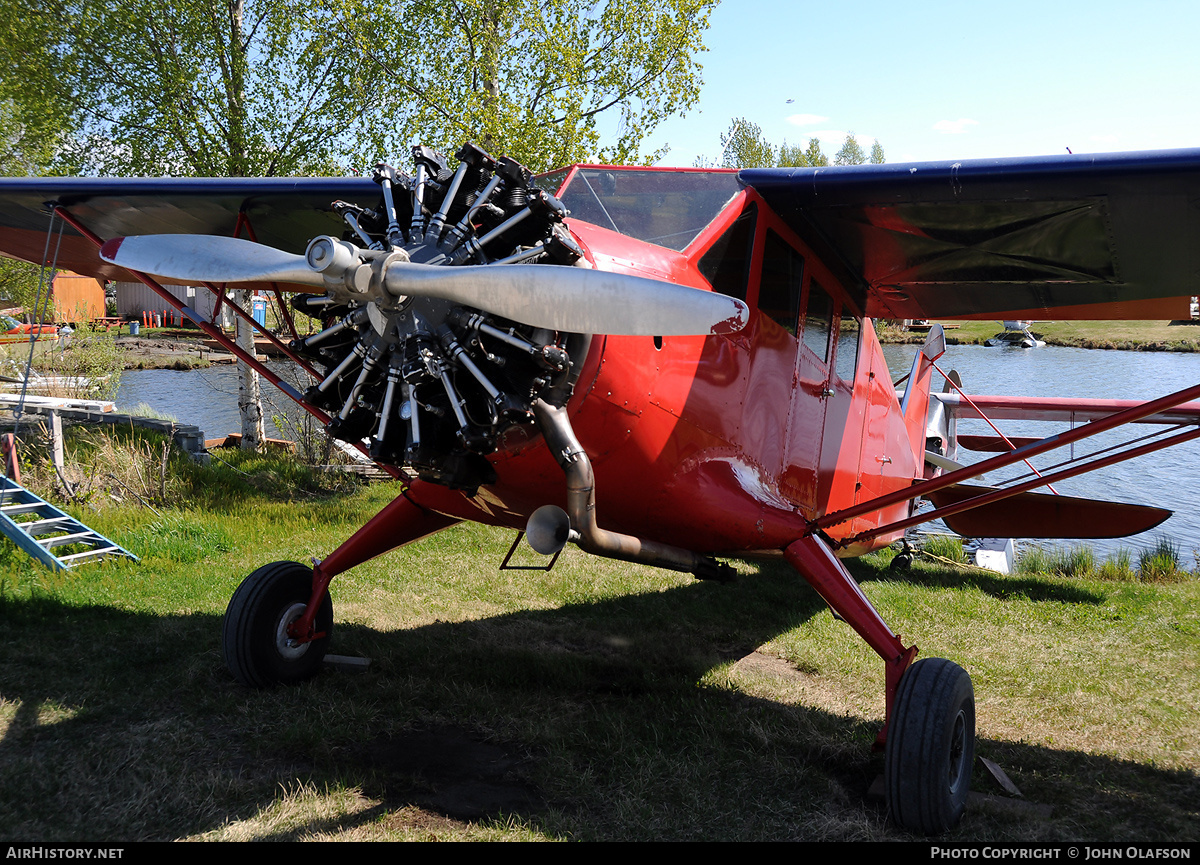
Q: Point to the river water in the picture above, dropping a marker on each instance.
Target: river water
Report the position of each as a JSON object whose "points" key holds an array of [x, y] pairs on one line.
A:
{"points": [[1169, 478], [204, 397]]}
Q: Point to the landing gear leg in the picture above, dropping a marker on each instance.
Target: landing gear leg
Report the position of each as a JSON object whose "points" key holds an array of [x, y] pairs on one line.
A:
{"points": [[929, 734], [277, 626]]}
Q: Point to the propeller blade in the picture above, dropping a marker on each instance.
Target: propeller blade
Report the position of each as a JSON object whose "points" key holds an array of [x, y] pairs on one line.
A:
{"points": [[208, 258], [574, 298]]}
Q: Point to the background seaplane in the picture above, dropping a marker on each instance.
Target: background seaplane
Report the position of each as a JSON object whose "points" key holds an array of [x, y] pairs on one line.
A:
{"points": [[666, 366]]}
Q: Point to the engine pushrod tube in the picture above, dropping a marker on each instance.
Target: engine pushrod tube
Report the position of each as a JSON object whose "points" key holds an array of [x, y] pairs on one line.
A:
{"points": [[385, 410], [459, 232], [357, 353], [354, 319], [438, 221]]}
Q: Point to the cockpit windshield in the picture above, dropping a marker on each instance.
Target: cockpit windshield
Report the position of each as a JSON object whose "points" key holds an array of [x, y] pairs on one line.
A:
{"points": [[664, 207]]}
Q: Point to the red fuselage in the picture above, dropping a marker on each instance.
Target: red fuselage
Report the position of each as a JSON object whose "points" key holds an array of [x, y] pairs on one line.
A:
{"points": [[721, 444]]}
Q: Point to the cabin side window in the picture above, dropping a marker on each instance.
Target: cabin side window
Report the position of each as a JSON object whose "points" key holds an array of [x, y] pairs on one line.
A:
{"points": [[850, 332], [817, 317], [781, 282], [726, 265]]}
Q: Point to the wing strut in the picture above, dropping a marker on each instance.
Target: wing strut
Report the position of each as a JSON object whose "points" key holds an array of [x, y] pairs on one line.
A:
{"points": [[996, 429], [917, 490], [1008, 492], [217, 334]]}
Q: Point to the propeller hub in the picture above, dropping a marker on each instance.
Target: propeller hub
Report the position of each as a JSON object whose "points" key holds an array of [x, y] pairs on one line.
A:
{"points": [[331, 257]]}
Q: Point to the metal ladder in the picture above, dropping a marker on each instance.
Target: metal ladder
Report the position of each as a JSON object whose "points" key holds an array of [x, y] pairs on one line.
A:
{"points": [[38, 527]]}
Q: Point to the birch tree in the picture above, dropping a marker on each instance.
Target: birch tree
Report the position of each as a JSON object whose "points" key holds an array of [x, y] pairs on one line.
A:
{"points": [[548, 82], [241, 88]]}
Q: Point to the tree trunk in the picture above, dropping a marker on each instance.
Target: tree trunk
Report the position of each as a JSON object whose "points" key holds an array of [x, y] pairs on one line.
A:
{"points": [[490, 72], [249, 398]]}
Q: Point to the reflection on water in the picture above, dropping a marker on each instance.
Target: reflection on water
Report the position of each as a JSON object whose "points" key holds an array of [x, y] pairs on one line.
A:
{"points": [[1169, 478]]}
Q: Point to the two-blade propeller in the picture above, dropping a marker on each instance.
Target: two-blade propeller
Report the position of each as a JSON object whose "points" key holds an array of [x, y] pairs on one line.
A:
{"points": [[561, 298]]}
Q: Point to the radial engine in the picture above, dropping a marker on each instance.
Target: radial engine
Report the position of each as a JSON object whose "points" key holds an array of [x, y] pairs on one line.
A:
{"points": [[425, 382]]}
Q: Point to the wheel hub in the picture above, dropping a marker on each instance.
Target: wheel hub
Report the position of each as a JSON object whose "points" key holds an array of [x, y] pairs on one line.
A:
{"points": [[289, 648], [958, 744]]}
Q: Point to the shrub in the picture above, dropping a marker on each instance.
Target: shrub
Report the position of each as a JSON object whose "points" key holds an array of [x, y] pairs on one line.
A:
{"points": [[1160, 563]]}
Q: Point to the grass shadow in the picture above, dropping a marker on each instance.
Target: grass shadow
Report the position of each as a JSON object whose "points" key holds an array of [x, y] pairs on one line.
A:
{"points": [[594, 720]]}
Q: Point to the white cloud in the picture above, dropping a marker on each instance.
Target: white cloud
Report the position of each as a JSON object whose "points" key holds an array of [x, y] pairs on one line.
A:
{"points": [[806, 119], [954, 127]]}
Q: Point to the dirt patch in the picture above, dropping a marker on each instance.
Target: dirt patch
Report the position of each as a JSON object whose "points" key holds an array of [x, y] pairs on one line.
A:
{"points": [[447, 771], [142, 352], [758, 663]]}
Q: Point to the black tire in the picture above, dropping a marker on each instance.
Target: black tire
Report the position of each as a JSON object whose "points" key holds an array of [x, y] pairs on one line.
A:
{"points": [[930, 747], [253, 635]]}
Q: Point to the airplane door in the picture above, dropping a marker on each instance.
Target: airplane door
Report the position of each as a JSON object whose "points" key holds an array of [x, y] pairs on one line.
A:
{"points": [[802, 480]]}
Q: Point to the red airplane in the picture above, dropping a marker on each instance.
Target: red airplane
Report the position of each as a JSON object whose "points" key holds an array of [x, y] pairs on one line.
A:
{"points": [[666, 366]]}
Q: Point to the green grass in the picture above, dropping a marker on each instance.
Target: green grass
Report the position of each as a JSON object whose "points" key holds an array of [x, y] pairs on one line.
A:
{"points": [[596, 701], [1161, 563], [945, 547]]}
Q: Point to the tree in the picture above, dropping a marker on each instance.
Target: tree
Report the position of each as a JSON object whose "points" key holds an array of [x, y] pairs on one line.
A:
{"points": [[28, 142], [791, 156], [851, 152], [534, 78], [813, 154], [235, 88], [743, 146], [283, 87]]}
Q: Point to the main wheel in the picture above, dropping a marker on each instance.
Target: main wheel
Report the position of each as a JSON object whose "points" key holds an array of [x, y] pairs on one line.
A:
{"points": [[930, 747], [254, 636]]}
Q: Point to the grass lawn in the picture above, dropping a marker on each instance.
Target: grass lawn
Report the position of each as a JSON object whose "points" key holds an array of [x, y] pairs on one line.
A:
{"points": [[596, 701]]}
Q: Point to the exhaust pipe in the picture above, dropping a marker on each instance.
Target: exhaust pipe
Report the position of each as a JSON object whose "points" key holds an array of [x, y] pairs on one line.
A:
{"points": [[548, 527]]}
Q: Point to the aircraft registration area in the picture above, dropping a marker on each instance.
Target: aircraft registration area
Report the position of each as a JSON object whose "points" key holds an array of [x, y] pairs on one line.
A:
{"points": [[668, 366]]}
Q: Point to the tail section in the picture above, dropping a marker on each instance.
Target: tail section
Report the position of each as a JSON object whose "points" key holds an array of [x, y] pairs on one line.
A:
{"points": [[914, 405]]}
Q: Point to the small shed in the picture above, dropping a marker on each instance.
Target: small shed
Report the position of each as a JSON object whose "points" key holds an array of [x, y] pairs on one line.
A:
{"points": [[134, 298], [76, 298]]}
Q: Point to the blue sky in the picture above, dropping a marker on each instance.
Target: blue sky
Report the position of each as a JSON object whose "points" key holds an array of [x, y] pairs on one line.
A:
{"points": [[949, 80]]}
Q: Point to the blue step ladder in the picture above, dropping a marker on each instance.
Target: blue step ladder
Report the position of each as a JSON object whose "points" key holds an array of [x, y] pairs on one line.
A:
{"points": [[39, 528]]}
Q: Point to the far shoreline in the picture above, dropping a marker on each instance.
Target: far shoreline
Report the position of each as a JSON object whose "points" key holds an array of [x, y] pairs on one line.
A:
{"points": [[1178, 336]]}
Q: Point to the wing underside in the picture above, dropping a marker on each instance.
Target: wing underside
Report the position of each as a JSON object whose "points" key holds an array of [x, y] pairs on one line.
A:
{"points": [[1108, 236], [284, 213]]}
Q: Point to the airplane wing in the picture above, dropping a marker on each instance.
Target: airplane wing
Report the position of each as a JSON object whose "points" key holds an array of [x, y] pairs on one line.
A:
{"points": [[281, 212], [1055, 237], [1103, 236]]}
